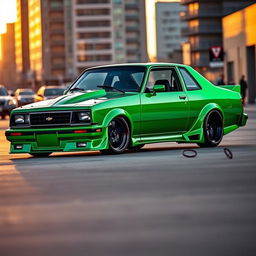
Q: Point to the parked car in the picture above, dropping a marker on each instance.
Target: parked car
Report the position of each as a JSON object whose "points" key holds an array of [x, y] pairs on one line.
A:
{"points": [[49, 92], [24, 96], [7, 102], [118, 107]]}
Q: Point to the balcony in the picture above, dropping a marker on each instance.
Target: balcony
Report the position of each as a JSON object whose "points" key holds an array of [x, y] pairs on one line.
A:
{"points": [[132, 6], [189, 31], [204, 46], [200, 63], [185, 2], [203, 13]]}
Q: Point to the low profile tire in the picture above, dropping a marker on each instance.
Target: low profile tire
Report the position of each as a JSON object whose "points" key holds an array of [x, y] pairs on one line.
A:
{"points": [[136, 148], [39, 154], [118, 136], [213, 129]]}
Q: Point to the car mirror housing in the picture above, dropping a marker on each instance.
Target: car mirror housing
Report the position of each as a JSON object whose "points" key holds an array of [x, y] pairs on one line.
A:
{"points": [[159, 88]]}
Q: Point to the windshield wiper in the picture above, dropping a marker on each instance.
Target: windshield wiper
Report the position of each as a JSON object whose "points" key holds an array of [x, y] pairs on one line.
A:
{"points": [[110, 87], [76, 89]]}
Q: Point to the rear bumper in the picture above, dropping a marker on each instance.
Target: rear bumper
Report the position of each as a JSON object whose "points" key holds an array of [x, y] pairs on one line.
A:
{"points": [[57, 140]]}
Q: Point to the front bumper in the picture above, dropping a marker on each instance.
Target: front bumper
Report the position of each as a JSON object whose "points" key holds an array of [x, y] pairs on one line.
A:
{"points": [[57, 139]]}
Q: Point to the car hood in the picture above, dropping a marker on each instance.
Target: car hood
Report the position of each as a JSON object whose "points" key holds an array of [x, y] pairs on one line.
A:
{"points": [[78, 99]]}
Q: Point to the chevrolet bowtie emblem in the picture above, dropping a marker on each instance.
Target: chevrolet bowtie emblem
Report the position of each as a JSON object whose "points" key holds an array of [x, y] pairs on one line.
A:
{"points": [[49, 118]]}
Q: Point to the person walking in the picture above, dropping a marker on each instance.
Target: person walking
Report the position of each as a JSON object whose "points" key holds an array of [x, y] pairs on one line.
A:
{"points": [[243, 85], [221, 80]]}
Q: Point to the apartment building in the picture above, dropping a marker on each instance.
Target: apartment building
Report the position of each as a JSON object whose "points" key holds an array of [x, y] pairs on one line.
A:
{"points": [[205, 30], [7, 57], [43, 42], [107, 32], [55, 40], [168, 31], [239, 40]]}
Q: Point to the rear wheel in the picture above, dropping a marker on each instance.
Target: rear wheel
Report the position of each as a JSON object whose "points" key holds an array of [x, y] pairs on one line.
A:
{"points": [[213, 129], [39, 154], [118, 136]]}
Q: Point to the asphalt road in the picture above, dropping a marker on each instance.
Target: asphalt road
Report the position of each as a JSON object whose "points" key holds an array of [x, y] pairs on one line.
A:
{"points": [[154, 202]]}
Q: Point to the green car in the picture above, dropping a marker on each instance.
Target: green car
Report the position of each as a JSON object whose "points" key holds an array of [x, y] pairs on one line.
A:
{"points": [[118, 107]]}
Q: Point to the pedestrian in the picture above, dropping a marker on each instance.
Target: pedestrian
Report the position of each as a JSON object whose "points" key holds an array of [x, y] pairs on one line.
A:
{"points": [[243, 85], [221, 80]]}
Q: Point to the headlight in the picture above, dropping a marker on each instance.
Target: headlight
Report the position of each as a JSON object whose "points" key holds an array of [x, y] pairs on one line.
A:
{"points": [[21, 119], [84, 116]]}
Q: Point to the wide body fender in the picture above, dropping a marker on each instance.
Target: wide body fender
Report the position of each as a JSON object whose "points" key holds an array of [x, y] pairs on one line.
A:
{"points": [[196, 133]]}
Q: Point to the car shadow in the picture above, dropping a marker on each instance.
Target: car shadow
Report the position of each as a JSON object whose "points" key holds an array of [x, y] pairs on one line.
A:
{"points": [[98, 156]]}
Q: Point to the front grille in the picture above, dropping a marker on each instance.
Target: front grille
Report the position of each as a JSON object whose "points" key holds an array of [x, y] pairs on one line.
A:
{"points": [[49, 119]]}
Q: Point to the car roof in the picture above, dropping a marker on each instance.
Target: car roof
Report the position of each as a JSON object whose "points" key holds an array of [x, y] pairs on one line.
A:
{"points": [[145, 64], [52, 87], [24, 89]]}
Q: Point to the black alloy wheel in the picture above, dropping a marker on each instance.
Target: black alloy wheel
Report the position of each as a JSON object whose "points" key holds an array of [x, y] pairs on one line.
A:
{"points": [[39, 154], [213, 129], [118, 136]]}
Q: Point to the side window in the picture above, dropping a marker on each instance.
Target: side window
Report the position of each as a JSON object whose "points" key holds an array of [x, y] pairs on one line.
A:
{"points": [[189, 81], [166, 77]]}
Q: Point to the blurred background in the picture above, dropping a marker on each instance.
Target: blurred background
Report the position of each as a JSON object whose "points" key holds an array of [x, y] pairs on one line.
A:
{"points": [[49, 42]]}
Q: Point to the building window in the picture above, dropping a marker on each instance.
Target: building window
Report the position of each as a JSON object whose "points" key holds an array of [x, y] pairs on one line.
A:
{"points": [[91, 12], [88, 35], [92, 1], [97, 46], [93, 23], [88, 58]]}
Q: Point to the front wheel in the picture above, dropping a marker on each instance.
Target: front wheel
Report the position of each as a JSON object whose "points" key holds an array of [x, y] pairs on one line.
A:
{"points": [[39, 154], [213, 129], [118, 136]]}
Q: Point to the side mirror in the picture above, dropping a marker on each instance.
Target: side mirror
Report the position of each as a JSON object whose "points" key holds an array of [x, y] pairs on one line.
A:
{"points": [[12, 94], [40, 95], [158, 88]]}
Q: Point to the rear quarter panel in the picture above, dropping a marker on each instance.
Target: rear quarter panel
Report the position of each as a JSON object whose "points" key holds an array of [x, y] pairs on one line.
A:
{"points": [[228, 101]]}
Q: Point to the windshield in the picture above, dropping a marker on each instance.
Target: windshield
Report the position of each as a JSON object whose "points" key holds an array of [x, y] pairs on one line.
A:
{"points": [[124, 78], [3, 91], [27, 93], [53, 91]]}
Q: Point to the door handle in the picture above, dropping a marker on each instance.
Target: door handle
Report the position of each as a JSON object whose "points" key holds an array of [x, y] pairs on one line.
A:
{"points": [[182, 97]]}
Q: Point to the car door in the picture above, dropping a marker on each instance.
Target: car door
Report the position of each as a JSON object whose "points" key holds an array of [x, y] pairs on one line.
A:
{"points": [[163, 113]]}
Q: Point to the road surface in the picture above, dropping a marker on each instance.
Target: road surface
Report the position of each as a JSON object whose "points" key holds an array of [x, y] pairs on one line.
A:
{"points": [[153, 202]]}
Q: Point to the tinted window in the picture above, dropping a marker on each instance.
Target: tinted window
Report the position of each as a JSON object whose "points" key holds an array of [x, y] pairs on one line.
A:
{"points": [[189, 81], [53, 91], [126, 78], [3, 91], [166, 77], [27, 93]]}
